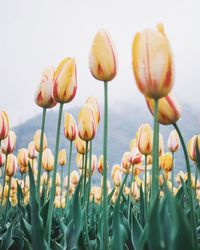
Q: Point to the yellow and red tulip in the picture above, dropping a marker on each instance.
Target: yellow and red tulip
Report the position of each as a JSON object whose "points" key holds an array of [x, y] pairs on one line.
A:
{"points": [[2, 159], [8, 144], [125, 161], [65, 81], [93, 102], [11, 165], [80, 145], [22, 158], [167, 162], [145, 139], [70, 129], [135, 156], [102, 59], [62, 157], [86, 123], [43, 95], [47, 160], [4, 125], [152, 63], [32, 152], [36, 140], [192, 146], [169, 110]]}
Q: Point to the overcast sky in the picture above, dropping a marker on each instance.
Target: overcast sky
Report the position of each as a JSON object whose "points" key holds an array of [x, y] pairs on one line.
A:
{"points": [[36, 34]]}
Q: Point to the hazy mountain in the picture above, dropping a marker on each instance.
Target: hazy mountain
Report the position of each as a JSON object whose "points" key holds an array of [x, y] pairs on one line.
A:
{"points": [[123, 124]]}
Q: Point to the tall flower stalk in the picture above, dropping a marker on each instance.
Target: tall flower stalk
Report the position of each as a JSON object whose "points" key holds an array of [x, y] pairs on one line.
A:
{"points": [[68, 171]]}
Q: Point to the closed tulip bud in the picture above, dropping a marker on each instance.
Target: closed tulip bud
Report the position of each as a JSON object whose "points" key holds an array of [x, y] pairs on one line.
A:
{"points": [[102, 59], [125, 161], [86, 123], [79, 160], [47, 160], [62, 157], [93, 102], [2, 159], [80, 145], [133, 144], [173, 141], [58, 179], [192, 147], [43, 95], [11, 165], [169, 110], [135, 156], [32, 152], [37, 140], [65, 81], [23, 169], [4, 125], [149, 159], [135, 191], [74, 178], [93, 164], [97, 194], [115, 168], [22, 157], [9, 143], [144, 139], [167, 162], [100, 164], [70, 129], [117, 178], [153, 63]]}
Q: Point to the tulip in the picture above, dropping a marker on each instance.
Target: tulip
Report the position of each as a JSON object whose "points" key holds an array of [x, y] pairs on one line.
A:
{"points": [[161, 145], [192, 148], [133, 144], [65, 82], [86, 123], [22, 157], [168, 109], [135, 156], [2, 159], [144, 139], [32, 152], [74, 178], [173, 141], [80, 145], [62, 158], [11, 165], [8, 144], [167, 162], [70, 127], [43, 95], [114, 169], [125, 161], [93, 102], [36, 140], [117, 178], [4, 125], [100, 164], [153, 63], [47, 160], [102, 59]]}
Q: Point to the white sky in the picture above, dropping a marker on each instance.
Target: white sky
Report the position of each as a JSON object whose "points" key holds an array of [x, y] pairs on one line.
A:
{"points": [[36, 34]]}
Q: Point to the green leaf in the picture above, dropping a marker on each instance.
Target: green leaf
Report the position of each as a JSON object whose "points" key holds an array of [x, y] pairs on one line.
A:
{"points": [[136, 231], [142, 216], [6, 239], [38, 235]]}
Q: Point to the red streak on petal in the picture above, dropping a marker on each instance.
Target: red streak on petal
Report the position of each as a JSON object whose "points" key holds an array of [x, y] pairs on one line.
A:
{"points": [[172, 105]]}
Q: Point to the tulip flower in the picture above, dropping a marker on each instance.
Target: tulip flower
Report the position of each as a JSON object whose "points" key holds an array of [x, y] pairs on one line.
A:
{"points": [[2, 159], [93, 102], [135, 156], [100, 164], [11, 165], [133, 144], [192, 148], [70, 127], [102, 59], [4, 125], [144, 139], [117, 178], [153, 63], [161, 145], [32, 152], [36, 140], [62, 158], [173, 141], [8, 144], [86, 123], [80, 145], [103, 67], [169, 110], [65, 82], [167, 162], [43, 95], [74, 178], [47, 160], [22, 157], [125, 161]]}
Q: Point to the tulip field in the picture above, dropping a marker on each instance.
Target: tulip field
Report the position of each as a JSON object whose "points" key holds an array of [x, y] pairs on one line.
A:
{"points": [[143, 204]]}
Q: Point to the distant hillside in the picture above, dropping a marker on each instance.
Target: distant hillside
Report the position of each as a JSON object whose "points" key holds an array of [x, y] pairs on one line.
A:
{"points": [[122, 128]]}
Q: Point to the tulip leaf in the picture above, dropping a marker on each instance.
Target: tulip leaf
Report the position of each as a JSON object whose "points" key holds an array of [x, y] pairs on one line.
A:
{"points": [[142, 217], [136, 231], [38, 235]]}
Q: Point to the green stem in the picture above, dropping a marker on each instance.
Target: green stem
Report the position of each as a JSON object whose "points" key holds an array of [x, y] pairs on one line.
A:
{"points": [[173, 165], [7, 201], [68, 172], [89, 185], [85, 174], [145, 187], [53, 188], [46, 193], [105, 142], [4, 180], [196, 178], [191, 204], [155, 186], [82, 172], [61, 183], [40, 154]]}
